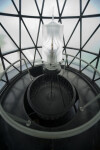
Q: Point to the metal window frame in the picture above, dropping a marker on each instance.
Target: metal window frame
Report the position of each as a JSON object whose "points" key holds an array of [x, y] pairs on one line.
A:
{"points": [[41, 18]]}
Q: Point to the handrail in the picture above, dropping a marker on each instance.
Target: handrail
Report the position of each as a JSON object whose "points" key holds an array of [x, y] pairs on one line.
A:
{"points": [[5, 71], [84, 62], [46, 134], [98, 96]]}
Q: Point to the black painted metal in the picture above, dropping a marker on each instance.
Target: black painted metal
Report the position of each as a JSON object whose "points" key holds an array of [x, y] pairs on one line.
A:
{"points": [[38, 31], [80, 33], [87, 140], [47, 17], [51, 96], [60, 14], [11, 52], [20, 35]]}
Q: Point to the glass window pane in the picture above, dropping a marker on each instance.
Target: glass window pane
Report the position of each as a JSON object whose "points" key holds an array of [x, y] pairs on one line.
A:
{"points": [[40, 4], [23, 63], [32, 25], [25, 38], [75, 39], [11, 24], [17, 3], [93, 7], [88, 58], [29, 54], [98, 83], [88, 27], [75, 63], [71, 52], [12, 58], [83, 4], [47, 11], [7, 7], [69, 25], [29, 8], [5, 42], [2, 84], [71, 8], [94, 44], [38, 59], [12, 72], [61, 3]]}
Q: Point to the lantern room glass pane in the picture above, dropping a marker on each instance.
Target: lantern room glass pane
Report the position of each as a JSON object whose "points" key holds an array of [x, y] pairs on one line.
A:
{"points": [[93, 7], [29, 8], [6, 43], [6, 6], [71, 8]]}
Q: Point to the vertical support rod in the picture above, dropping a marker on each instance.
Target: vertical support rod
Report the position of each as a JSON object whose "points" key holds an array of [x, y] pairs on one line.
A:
{"points": [[80, 33], [20, 34], [52, 144]]}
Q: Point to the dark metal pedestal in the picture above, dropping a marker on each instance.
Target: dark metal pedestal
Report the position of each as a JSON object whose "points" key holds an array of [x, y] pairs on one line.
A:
{"points": [[12, 101]]}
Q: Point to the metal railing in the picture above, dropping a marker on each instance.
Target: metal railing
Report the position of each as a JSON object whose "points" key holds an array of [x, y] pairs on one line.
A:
{"points": [[98, 96], [27, 122], [13, 120], [5, 71]]}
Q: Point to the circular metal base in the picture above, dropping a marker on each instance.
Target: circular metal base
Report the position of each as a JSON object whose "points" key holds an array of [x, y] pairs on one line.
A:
{"points": [[51, 97]]}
